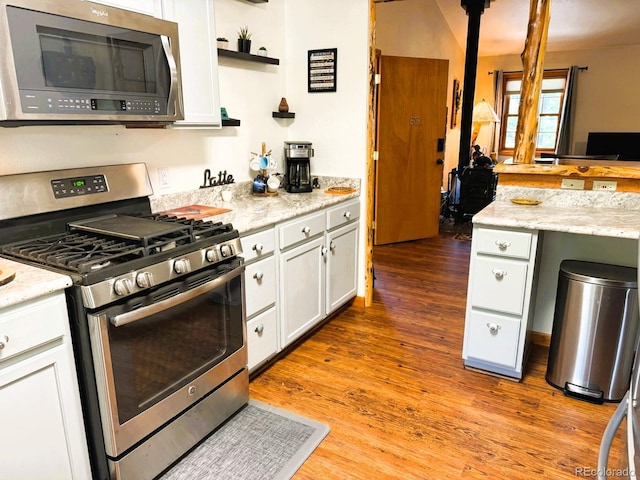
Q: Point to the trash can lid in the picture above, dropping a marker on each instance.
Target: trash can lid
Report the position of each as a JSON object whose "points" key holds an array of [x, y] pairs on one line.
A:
{"points": [[600, 273]]}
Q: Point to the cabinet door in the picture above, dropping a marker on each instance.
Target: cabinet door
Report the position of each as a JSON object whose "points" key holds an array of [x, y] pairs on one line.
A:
{"points": [[302, 272], [149, 7], [198, 61], [260, 285], [342, 262], [42, 435], [262, 337]]}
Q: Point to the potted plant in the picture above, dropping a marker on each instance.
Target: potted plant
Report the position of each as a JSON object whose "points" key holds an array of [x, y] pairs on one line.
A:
{"points": [[262, 51], [222, 42], [244, 40]]}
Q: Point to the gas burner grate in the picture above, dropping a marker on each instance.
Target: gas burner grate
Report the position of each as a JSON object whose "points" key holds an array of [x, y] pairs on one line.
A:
{"points": [[199, 228]]}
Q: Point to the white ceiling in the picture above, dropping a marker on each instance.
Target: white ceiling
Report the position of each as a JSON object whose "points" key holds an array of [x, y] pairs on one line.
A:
{"points": [[574, 24]]}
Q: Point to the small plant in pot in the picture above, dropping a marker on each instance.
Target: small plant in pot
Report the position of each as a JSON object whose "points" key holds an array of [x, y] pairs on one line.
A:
{"points": [[262, 51], [244, 40], [222, 42]]}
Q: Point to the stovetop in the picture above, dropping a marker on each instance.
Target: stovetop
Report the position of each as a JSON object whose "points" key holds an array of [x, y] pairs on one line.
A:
{"points": [[97, 246]]}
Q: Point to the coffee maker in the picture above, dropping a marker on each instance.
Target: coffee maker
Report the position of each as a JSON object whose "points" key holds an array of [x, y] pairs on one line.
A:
{"points": [[298, 168]]}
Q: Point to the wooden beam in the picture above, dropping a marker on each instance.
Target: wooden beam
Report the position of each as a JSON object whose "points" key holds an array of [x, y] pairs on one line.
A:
{"points": [[532, 73], [370, 165]]}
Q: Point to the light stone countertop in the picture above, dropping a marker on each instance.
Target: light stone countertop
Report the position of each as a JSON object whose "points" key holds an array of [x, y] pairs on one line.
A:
{"points": [[29, 283], [607, 214], [250, 213]]}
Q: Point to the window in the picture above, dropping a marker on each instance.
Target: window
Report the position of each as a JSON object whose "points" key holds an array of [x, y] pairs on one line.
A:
{"points": [[549, 110]]}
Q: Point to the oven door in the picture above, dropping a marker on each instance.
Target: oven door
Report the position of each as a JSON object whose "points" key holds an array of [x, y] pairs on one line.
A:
{"points": [[159, 353]]}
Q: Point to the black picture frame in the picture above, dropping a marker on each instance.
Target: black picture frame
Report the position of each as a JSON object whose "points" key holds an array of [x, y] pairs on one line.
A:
{"points": [[323, 70]]}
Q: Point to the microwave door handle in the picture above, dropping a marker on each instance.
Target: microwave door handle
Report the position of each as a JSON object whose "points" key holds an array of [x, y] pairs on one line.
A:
{"points": [[144, 312], [173, 70]]}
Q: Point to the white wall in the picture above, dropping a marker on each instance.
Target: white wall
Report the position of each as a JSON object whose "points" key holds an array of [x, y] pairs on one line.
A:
{"points": [[607, 92], [417, 28]]}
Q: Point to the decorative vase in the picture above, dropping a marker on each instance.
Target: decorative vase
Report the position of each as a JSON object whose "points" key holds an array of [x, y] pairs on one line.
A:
{"points": [[224, 44], [284, 106], [262, 52], [244, 45]]}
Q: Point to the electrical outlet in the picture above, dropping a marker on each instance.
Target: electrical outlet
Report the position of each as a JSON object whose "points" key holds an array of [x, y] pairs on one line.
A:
{"points": [[572, 184], [607, 185], [163, 177]]}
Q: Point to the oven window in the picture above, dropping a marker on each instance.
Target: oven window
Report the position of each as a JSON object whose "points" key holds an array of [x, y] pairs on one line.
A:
{"points": [[153, 357]]}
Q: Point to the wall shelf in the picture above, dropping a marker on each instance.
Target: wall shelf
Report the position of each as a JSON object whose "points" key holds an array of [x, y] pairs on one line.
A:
{"points": [[247, 56], [283, 115], [231, 122], [258, 1]]}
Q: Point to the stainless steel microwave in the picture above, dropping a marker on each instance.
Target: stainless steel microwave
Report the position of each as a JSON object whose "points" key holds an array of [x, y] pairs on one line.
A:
{"points": [[74, 61]]}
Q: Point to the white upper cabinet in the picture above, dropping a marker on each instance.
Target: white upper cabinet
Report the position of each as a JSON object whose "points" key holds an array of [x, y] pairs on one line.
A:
{"points": [[149, 7], [198, 61]]}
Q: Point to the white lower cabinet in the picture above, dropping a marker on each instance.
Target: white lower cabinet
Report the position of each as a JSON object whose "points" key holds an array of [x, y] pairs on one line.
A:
{"points": [[43, 433], [261, 283], [318, 267], [499, 311]]}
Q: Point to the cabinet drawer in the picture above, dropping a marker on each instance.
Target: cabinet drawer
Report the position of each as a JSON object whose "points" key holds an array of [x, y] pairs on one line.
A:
{"points": [[32, 324], [260, 285], [262, 337], [503, 242], [301, 229], [492, 338], [343, 214], [499, 284], [258, 245]]}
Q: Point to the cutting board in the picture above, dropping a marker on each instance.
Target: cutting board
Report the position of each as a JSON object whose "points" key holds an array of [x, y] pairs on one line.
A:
{"points": [[195, 212], [6, 274]]}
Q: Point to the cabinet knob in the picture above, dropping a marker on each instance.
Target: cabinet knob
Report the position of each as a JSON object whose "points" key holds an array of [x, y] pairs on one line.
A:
{"points": [[4, 339], [499, 273], [323, 251], [258, 247], [493, 328], [503, 244], [259, 329], [306, 230], [332, 246], [347, 215], [258, 276]]}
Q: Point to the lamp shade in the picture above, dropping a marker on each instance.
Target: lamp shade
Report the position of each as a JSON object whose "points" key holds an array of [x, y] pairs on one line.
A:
{"points": [[484, 113]]}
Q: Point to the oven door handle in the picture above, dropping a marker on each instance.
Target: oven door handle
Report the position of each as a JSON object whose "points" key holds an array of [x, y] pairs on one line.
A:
{"points": [[144, 312]]}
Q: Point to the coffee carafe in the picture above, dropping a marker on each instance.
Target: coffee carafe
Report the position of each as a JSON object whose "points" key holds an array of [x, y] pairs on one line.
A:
{"points": [[298, 166]]}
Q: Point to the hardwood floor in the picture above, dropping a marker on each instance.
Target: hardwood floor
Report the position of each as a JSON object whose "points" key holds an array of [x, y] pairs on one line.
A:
{"points": [[390, 382]]}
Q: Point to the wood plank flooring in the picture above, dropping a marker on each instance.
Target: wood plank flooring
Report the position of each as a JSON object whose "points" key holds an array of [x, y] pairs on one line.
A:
{"points": [[390, 382]]}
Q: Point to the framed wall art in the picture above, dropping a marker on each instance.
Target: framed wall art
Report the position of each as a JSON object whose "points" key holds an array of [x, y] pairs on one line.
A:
{"points": [[455, 102], [322, 65]]}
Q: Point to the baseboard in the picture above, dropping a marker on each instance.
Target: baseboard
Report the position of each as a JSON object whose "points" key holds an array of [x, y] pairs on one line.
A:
{"points": [[542, 339]]}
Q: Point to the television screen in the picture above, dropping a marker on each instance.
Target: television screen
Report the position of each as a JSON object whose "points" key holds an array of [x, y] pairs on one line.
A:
{"points": [[624, 144]]}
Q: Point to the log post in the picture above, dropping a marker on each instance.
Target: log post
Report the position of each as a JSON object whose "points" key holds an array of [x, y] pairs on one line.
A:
{"points": [[532, 73]]}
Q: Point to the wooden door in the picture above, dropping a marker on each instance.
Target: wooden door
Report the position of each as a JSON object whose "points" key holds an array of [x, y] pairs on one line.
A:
{"points": [[412, 115]]}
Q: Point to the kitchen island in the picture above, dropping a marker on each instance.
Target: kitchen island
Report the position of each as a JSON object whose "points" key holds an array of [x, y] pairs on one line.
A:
{"points": [[515, 257]]}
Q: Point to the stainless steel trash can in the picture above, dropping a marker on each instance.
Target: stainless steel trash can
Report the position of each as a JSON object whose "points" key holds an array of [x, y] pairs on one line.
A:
{"points": [[595, 327]]}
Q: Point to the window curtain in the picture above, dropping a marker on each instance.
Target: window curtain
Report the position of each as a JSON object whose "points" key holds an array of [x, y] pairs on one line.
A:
{"points": [[497, 106], [565, 132]]}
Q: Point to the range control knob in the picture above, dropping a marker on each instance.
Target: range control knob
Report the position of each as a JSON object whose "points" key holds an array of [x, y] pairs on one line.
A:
{"points": [[226, 250], [211, 255], [181, 266], [144, 280], [123, 286]]}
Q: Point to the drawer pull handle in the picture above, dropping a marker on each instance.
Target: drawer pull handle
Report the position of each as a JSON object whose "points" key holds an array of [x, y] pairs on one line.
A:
{"points": [[306, 230], [258, 275], [4, 339], [493, 328], [347, 215], [258, 247], [503, 244], [259, 329], [499, 273]]}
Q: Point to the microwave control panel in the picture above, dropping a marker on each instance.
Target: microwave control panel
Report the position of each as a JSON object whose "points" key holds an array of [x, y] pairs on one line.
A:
{"points": [[76, 103]]}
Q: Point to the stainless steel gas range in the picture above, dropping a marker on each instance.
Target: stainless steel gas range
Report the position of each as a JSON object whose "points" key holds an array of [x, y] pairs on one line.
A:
{"points": [[157, 310]]}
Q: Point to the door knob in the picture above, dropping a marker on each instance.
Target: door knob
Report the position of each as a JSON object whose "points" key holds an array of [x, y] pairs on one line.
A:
{"points": [[439, 162]]}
